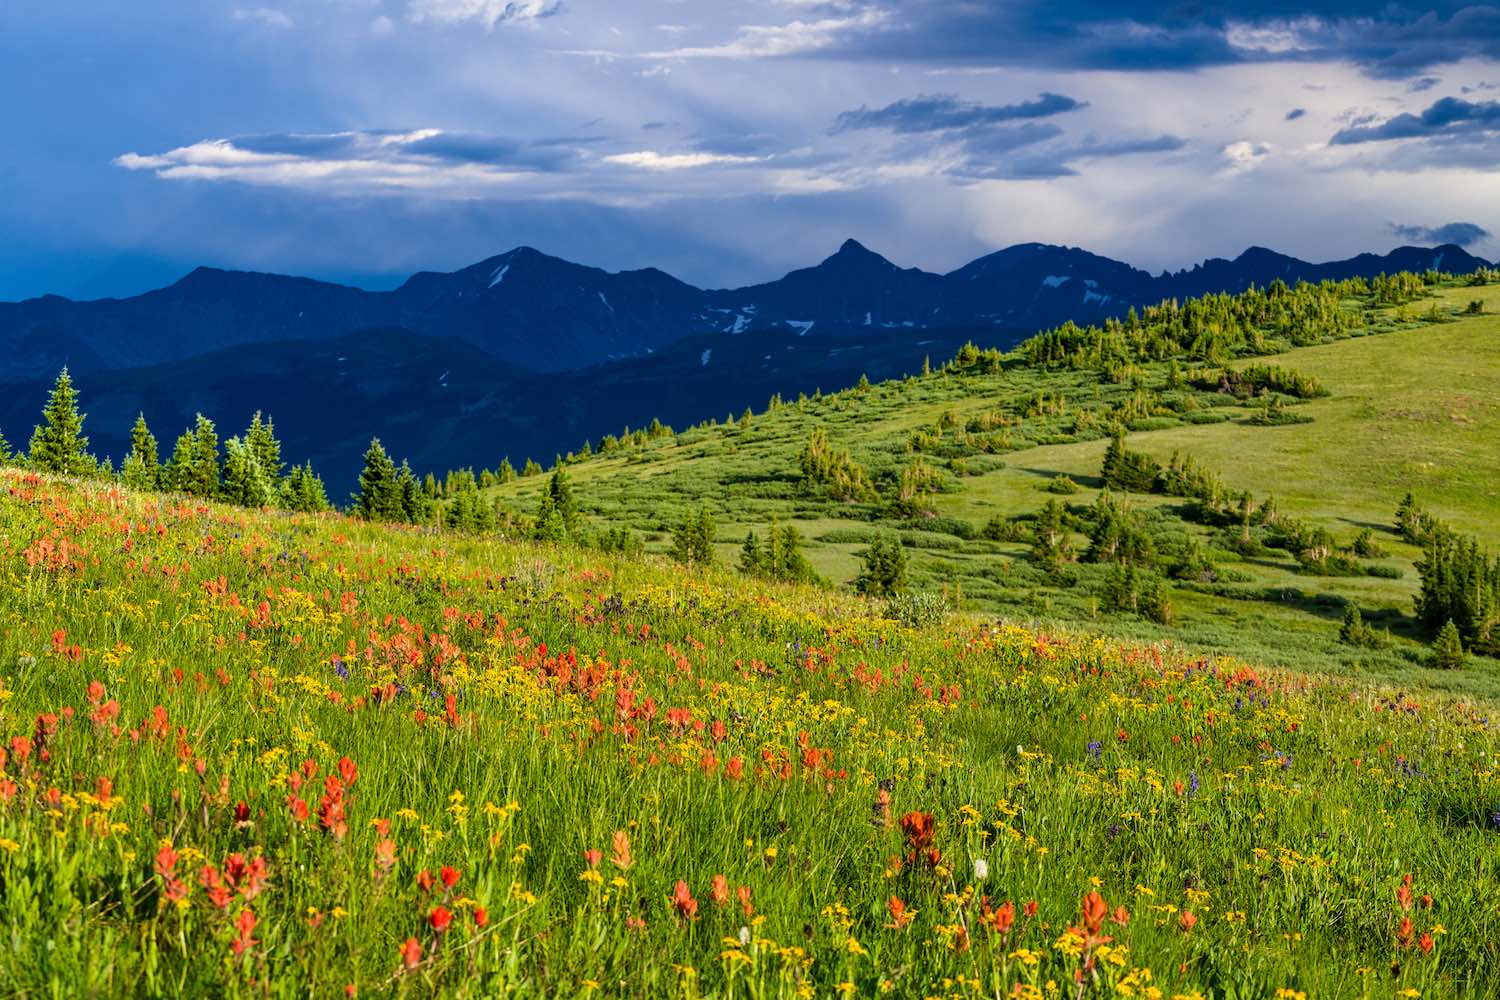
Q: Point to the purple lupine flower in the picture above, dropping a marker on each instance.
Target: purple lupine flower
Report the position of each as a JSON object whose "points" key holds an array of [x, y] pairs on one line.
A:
{"points": [[1095, 748]]}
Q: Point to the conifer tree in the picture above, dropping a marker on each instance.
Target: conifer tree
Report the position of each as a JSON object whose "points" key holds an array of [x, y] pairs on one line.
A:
{"points": [[1353, 631], [560, 492], [198, 475], [57, 443], [507, 472], [178, 470], [884, 572], [379, 496], [751, 557], [261, 438], [693, 541], [1050, 546], [416, 505], [244, 480], [303, 491], [6, 454], [142, 467], [1448, 648]]}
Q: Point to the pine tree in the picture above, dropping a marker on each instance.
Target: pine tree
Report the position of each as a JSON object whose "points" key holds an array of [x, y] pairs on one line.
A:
{"points": [[303, 491], [560, 492], [507, 472], [6, 455], [884, 572], [245, 481], [416, 505], [379, 496], [178, 470], [693, 540], [1409, 519], [57, 443], [549, 526], [200, 475], [751, 557], [1050, 545], [1353, 631], [1448, 648], [261, 438], [142, 467]]}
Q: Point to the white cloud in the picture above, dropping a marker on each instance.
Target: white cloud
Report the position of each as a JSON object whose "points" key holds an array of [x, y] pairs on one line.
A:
{"points": [[270, 17], [1244, 155], [647, 159], [757, 41], [486, 12], [382, 27]]}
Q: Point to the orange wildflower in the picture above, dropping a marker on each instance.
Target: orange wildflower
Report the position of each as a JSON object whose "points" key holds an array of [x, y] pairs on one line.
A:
{"points": [[619, 854], [682, 899]]}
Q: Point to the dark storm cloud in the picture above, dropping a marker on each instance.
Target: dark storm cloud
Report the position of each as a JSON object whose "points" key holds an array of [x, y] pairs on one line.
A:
{"points": [[1462, 234], [1295, 113], [1449, 116], [945, 112], [1390, 42]]}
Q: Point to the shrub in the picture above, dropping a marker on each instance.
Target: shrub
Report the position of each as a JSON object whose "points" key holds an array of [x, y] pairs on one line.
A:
{"points": [[918, 609]]}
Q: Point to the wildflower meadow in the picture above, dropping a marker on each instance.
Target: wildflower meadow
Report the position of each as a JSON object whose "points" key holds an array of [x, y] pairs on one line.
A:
{"points": [[291, 755]]}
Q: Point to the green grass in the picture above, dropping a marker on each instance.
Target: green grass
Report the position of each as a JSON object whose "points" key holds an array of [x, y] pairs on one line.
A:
{"points": [[1414, 408], [244, 749]]}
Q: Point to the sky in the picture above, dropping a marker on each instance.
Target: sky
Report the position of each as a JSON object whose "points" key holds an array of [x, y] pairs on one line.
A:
{"points": [[727, 141]]}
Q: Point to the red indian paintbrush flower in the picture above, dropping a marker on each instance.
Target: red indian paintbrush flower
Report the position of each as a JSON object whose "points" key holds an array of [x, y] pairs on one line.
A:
{"points": [[682, 899], [620, 850], [1094, 911], [719, 890], [411, 953], [440, 918]]}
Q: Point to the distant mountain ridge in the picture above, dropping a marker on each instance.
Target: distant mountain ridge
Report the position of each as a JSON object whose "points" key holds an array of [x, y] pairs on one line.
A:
{"points": [[544, 314]]}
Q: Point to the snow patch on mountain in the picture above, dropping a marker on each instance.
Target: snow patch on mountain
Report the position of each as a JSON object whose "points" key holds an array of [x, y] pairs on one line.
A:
{"points": [[703, 358], [1055, 281], [499, 275]]}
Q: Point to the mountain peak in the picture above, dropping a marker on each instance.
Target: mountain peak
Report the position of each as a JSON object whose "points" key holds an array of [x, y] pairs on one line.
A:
{"points": [[853, 252]]}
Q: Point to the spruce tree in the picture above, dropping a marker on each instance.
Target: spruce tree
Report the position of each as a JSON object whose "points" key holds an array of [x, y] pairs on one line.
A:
{"points": [[693, 540], [751, 557], [884, 572], [1050, 545], [6, 455], [1353, 631], [178, 470], [303, 491], [261, 438], [560, 492], [201, 476], [57, 443], [379, 496], [1448, 648], [416, 505], [142, 466], [244, 480]]}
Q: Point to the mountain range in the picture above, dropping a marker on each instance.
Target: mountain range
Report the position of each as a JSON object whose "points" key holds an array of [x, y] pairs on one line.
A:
{"points": [[526, 354]]}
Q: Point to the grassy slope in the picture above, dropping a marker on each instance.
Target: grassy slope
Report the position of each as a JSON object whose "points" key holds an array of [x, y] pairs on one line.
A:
{"points": [[235, 655], [1416, 409]]}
